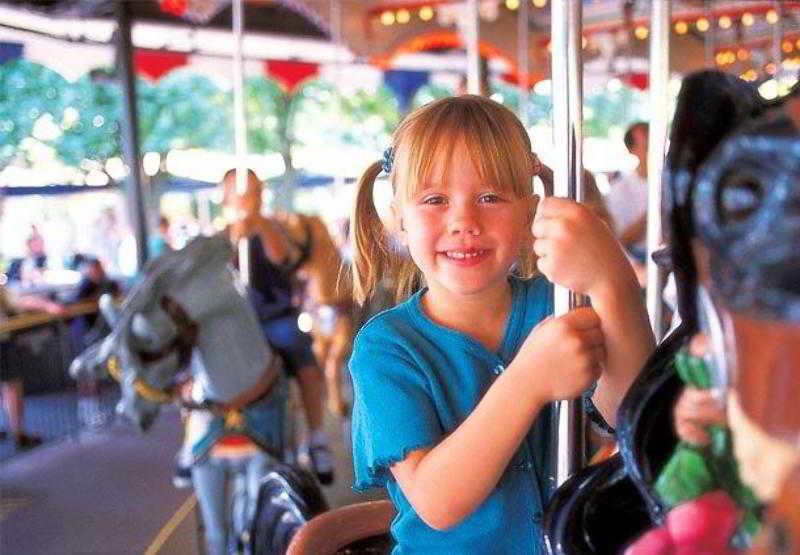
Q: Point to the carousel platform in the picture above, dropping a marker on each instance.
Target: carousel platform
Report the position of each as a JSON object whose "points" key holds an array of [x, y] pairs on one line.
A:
{"points": [[107, 488]]}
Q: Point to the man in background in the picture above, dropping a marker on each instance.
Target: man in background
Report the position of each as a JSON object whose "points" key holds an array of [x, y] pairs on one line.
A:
{"points": [[11, 386], [627, 199]]}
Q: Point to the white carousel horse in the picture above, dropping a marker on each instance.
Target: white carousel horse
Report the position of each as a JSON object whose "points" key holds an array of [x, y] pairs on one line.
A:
{"points": [[188, 314]]}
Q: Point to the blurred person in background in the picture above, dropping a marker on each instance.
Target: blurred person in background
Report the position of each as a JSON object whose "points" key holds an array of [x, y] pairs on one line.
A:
{"points": [[274, 262], [93, 284], [627, 199], [11, 387], [159, 240], [35, 261]]}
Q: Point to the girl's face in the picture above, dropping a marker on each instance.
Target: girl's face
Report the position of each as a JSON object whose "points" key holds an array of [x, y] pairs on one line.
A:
{"points": [[463, 233]]}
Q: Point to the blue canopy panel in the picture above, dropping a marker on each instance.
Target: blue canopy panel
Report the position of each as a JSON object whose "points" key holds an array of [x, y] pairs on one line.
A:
{"points": [[53, 190], [162, 184]]}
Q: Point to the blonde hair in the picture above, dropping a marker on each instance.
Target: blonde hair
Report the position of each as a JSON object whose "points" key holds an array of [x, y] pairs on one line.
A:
{"points": [[499, 149]]}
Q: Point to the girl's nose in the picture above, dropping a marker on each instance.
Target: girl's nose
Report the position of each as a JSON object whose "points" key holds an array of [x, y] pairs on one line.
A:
{"points": [[464, 221]]}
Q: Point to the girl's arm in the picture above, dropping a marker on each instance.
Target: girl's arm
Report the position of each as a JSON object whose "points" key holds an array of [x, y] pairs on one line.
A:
{"points": [[578, 251], [629, 338], [447, 483]]}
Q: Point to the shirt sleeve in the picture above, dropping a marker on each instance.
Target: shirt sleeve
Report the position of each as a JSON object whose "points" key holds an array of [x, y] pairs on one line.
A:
{"points": [[393, 409]]}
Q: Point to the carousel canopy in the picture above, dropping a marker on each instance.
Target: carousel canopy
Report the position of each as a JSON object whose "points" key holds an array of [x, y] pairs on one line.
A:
{"points": [[750, 38]]}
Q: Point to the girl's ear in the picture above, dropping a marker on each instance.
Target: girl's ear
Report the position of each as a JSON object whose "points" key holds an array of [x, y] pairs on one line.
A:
{"points": [[398, 229]]}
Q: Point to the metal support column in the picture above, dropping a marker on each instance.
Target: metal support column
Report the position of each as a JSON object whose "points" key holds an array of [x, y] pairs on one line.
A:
{"points": [[239, 127], [472, 41], [522, 61], [659, 106], [567, 91], [130, 134]]}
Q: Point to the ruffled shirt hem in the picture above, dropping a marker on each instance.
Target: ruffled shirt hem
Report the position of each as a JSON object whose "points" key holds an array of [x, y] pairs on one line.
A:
{"points": [[379, 470]]}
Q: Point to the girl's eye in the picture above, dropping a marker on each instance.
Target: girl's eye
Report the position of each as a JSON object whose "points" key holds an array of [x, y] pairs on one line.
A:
{"points": [[433, 199], [489, 198]]}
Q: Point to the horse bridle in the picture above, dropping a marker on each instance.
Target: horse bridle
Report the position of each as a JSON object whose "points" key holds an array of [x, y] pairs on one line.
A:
{"points": [[182, 344]]}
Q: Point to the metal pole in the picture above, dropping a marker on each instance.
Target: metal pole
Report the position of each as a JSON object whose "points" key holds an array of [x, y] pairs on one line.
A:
{"points": [[472, 39], [710, 37], [567, 87], [659, 105], [522, 61], [777, 38], [130, 134], [240, 130]]}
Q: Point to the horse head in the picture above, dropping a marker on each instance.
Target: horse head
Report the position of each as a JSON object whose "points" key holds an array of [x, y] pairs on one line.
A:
{"points": [[181, 306], [732, 201]]}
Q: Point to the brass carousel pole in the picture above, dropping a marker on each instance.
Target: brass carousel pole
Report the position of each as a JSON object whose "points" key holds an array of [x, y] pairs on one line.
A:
{"points": [[660, 27], [472, 39], [135, 191], [567, 91], [240, 131], [777, 38], [709, 40], [522, 61]]}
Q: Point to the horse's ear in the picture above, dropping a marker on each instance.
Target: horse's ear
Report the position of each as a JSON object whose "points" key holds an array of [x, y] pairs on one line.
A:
{"points": [[106, 306], [711, 104]]}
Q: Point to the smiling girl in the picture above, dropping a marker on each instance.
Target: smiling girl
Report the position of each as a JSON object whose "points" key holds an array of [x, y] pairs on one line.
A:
{"points": [[451, 385]]}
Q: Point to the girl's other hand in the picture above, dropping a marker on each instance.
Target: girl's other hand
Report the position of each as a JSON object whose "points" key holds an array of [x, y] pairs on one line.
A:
{"points": [[575, 248], [563, 356], [695, 411]]}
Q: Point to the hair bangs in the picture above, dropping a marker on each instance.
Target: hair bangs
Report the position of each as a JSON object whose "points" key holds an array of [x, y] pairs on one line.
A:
{"points": [[497, 144]]}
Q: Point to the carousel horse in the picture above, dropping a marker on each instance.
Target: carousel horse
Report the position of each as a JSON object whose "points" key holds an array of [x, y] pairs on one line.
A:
{"points": [[327, 300], [187, 317], [582, 517], [739, 226], [746, 209]]}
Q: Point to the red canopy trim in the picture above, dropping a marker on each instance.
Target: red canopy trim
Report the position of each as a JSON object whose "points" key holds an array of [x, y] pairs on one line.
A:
{"points": [[174, 7], [291, 74], [638, 80], [153, 64], [451, 39]]}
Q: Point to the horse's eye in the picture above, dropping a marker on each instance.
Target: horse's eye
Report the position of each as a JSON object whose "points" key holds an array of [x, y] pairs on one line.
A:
{"points": [[740, 196]]}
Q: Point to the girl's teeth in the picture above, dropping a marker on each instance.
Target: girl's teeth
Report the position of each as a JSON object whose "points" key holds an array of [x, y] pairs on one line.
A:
{"points": [[460, 255]]}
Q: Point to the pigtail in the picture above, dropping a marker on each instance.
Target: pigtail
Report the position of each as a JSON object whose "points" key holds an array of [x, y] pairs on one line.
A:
{"points": [[370, 251]]}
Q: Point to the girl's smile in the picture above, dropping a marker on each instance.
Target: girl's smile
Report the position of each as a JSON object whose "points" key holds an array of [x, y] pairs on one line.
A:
{"points": [[466, 257]]}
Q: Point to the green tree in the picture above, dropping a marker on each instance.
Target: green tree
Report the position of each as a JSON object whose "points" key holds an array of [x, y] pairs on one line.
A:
{"points": [[607, 109], [183, 111], [269, 112], [91, 120], [368, 118], [28, 92], [428, 93], [315, 115]]}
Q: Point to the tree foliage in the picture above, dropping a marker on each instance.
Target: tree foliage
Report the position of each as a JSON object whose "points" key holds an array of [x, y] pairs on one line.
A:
{"points": [[183, 110], [27, 93], [91, 123], [605, 110]]}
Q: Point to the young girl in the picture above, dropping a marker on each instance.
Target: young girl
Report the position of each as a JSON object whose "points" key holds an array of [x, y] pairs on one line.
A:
{"points": [[448, 385]]}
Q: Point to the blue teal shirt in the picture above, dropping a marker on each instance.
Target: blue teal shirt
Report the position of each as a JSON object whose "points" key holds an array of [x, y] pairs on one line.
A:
{"points": [[414, 382]]}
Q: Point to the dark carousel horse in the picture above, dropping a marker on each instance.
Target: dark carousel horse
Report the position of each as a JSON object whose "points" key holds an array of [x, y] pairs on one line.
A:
{"points": [[603, 508]]}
